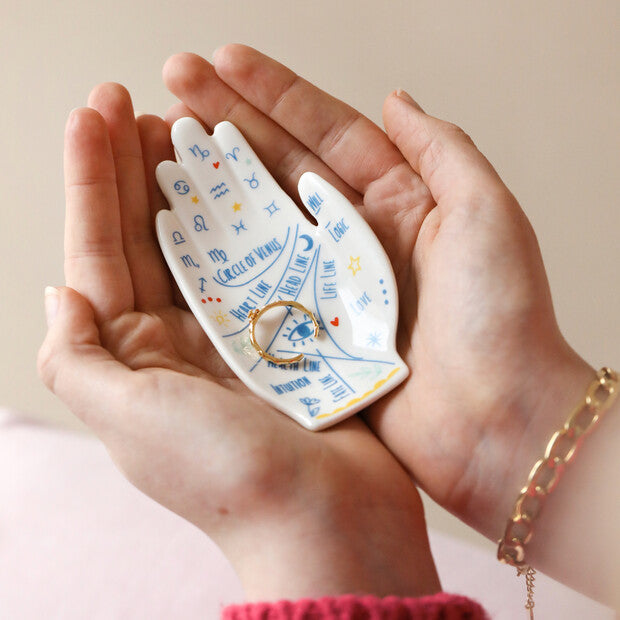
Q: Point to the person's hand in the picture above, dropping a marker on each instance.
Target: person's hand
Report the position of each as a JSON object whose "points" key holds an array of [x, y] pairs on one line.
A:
{"points": [[297, 513], [491, 375]]}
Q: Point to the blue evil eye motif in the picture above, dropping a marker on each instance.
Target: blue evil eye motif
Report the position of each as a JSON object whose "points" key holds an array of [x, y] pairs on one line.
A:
{"points": [[301, 332], [310, 402]]}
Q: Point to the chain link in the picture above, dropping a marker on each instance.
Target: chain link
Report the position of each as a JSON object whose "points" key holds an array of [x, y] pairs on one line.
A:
{"points": [[546, 473]]}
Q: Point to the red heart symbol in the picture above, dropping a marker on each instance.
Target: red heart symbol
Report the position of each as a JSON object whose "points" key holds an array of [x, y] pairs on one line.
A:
{"points": [[216, 165], [335, 322]]}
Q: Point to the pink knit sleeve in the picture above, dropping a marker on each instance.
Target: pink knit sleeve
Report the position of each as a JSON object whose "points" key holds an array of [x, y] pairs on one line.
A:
{"points": [[439, 606]]}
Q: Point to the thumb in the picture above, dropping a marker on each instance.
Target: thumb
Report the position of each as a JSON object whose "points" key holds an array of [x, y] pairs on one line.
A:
{"points": [[441, 153], [73, 364]]}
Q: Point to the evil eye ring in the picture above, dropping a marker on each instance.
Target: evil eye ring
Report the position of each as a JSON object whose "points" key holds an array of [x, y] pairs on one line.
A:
{"points": [[254, 316]]}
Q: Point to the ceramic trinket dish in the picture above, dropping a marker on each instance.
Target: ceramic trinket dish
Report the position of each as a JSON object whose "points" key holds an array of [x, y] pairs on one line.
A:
{"points": [[240, 249]]}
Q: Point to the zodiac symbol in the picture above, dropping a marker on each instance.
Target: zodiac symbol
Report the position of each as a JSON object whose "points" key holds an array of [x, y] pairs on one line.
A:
{"points": [[221, 186], [217, 255], [203, 284], [181, 187], [252, 181], [177, 237], [233, 153], [309, 402], [271, 209], [196, 150], [188, 261], [199, 223], [239, 227]]}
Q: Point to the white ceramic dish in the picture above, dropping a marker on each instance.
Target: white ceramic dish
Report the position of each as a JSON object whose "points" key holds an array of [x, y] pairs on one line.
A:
{"points": [[235, 241]]}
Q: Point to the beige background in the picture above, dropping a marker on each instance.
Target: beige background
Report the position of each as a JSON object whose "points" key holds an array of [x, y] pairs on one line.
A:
{"points": [[534, 83]]}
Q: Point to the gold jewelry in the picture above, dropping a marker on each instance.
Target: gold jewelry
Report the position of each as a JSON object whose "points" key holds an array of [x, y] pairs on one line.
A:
{"points": [[254, 315], [546, 474]]}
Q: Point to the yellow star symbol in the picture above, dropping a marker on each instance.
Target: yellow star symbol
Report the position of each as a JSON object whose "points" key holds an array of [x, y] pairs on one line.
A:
{"points": [[195, 199], [236, 206], [354, 265]]}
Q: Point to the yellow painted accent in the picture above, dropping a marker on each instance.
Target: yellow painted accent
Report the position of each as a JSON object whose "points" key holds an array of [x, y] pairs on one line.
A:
{"points": [[195, 199], [363, 396], [237, 206], [354, 265], [220, 318]]}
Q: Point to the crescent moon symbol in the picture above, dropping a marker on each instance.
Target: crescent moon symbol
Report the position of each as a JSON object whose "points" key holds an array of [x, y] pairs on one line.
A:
{"points": [[309, 241]]}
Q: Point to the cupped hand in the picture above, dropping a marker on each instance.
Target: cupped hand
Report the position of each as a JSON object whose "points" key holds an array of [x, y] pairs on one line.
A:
{"points": [[491, 375], [298, 513]]}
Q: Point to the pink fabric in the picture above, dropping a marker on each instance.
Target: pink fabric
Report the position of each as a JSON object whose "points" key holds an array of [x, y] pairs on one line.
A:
{"points": [[78, 541], [440, 606]]}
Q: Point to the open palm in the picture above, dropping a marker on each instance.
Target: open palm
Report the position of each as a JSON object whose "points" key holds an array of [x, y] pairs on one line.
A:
{"points": [[476, 326], [491, 375], [138, 369]]}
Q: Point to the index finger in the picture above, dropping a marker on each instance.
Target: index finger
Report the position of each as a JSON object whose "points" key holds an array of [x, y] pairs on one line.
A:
{"points": [[194, 81], [348, 142]]}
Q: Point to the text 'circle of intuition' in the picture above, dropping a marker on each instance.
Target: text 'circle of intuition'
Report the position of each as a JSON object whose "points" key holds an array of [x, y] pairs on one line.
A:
{"points": [[254, 316]]}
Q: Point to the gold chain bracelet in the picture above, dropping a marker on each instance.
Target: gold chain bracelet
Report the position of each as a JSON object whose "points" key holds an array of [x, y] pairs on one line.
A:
{"points": [[546, 474]]}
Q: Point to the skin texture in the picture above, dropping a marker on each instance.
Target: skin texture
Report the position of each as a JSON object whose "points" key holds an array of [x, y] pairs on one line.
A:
{"points": [[295, 512], [492, 377], [474, 293]]}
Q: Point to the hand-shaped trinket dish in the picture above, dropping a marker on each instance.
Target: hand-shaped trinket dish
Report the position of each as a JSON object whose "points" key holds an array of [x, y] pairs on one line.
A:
{"points": [[304, 314]]}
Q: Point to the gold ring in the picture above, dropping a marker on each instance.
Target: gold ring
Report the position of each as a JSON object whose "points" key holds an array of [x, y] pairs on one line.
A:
{"points": [[254, 315]]}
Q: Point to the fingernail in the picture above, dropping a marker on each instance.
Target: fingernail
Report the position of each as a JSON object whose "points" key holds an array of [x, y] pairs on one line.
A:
{"points": [[215, 52], [52, 299], [73, 119], [405, 96], [70, 116], [73, 111]]}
